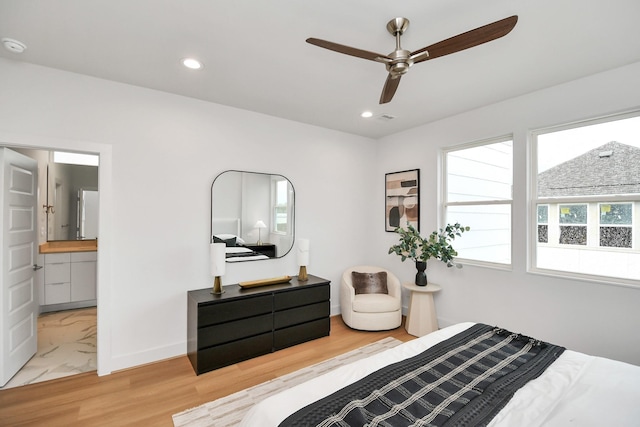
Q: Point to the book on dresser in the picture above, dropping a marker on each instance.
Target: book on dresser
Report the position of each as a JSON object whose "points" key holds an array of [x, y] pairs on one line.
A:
{"points": [[244, 323]]}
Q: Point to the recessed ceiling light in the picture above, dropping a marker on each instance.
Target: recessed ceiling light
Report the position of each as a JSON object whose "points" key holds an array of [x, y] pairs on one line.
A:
{"points": [[194, 64], [14, 46], [366, 114]]}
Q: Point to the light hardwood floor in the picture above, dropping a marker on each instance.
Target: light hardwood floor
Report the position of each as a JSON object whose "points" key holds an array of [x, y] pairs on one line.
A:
{"points": [[151, 394]]}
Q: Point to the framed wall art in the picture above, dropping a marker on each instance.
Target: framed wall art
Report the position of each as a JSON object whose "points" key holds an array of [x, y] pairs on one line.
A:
{"points": [[402, 199]]}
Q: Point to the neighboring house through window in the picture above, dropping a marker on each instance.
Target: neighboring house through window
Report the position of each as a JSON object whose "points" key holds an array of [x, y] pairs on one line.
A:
{"points": [[543, 223], [586, 199]]}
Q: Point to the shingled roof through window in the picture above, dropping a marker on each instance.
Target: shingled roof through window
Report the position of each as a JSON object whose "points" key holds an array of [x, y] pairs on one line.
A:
{"points": [[613, 168]]}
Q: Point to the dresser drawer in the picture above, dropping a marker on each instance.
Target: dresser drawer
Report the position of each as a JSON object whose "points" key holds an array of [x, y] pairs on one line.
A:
{"points": [[234, 352], [233, 310], [294, 316], [301, 333], [301, 296], [232, 331]]}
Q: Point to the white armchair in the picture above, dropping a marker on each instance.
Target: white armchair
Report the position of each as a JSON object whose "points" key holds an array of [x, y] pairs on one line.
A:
{"points": [[371, 311]]}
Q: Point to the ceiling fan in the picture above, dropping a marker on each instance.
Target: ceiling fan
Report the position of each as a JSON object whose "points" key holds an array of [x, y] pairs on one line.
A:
{"points": [[399, 61]]}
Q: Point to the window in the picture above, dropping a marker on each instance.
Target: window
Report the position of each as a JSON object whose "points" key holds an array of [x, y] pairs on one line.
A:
{"points": [[280, 206], [478, 187], [586, 189], [616, 225], [573, 224], [543, 221]]}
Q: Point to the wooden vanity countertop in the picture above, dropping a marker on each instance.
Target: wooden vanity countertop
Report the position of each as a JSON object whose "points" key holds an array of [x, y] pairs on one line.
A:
{"points": [[69, 246]]}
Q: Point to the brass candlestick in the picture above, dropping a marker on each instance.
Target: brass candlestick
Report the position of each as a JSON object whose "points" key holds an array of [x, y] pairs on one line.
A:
{"points": [[302, 274], [217, 286]]}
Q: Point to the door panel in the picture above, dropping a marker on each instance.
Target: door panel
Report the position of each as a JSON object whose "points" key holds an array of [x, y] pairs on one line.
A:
{"points": [[18, 238], [20, 295]]}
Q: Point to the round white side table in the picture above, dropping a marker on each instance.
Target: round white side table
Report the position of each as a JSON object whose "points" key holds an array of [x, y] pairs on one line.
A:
{"points": [[421, 318]]}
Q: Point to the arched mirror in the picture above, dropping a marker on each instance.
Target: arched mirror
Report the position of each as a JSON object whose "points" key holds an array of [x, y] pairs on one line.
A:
{"points": [[253, 214]]}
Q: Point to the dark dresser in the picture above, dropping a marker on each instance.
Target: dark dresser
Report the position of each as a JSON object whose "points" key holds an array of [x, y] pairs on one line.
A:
{"points": [[245, 323]]}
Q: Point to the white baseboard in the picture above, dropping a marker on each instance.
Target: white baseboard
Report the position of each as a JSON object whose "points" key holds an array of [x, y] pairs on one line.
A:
{"points": [[145, 357]]}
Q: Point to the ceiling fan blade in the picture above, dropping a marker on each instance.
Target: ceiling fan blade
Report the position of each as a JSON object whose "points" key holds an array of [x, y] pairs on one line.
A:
{"points": [[347, 50], [469, 39], [389, 88]]}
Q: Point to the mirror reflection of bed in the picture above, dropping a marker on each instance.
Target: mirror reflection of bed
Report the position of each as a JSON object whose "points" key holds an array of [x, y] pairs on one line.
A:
{"points": [[227, 231], [253, 214]]}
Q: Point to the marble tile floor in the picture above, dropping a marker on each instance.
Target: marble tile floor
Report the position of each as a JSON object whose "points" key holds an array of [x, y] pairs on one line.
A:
{"points": [[66, 346]]}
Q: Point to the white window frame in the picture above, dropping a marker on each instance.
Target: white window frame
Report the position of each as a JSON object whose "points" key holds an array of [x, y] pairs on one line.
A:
{"points": [[533, 201], [445, 203]]}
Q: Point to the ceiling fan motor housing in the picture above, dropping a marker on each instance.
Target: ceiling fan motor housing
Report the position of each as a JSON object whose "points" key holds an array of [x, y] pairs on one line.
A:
{"points": [[400, 58], [400, 63]]}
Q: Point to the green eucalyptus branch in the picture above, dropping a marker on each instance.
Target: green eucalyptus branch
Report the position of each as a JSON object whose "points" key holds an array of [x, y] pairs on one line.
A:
{"points": [[437, 245]]}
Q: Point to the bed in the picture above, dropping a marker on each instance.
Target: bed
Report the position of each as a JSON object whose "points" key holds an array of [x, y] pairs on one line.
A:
{"points": [[227, 230], [574, 389], [240, 253]]}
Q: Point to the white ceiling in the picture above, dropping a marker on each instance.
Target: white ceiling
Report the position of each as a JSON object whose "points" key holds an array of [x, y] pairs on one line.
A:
{"points": [[255, 56]]}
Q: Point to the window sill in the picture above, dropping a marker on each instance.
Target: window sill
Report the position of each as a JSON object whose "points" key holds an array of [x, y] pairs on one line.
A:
{"points": [[602, 280], [485, 264]]}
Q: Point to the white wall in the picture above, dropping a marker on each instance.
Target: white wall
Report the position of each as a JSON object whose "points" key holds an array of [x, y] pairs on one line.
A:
{"points": [[590, 317], [159, 155]]}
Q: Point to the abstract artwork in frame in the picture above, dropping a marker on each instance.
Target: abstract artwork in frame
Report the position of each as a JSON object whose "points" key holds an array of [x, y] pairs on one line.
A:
{"points": [[402, 199]]}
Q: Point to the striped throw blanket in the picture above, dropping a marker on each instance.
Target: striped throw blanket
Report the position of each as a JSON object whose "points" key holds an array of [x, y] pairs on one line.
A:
{"points": [[463, 381]]}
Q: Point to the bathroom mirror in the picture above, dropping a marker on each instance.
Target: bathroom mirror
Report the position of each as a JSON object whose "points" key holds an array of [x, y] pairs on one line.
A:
{"points": [[67, 194], [254, 214], [72, 202]]}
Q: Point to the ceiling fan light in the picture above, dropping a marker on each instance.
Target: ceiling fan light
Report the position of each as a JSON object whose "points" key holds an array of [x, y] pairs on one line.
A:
{"points": [[366, 114], [192, 63]]}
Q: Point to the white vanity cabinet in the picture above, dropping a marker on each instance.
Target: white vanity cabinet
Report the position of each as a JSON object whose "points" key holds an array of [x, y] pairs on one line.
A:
{"points": [[57, 278], [83, 276], [70, 280]]}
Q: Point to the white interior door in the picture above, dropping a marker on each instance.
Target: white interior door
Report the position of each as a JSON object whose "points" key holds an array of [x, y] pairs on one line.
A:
{"points": [[18, 246]]}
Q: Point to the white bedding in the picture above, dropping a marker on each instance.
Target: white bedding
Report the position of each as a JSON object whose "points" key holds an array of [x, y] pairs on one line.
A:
{"points": [[576, 390]]}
